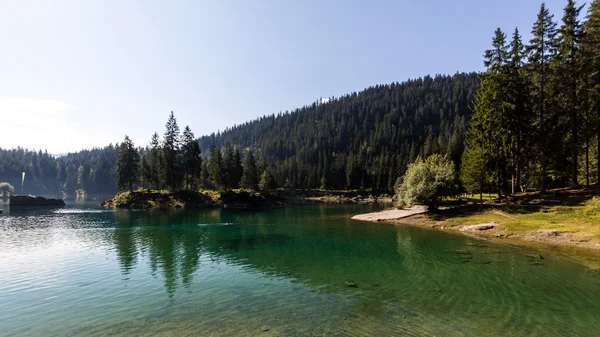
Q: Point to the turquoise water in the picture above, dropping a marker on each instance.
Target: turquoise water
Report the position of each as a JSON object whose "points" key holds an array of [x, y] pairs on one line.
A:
{"points": [[297, 271]]}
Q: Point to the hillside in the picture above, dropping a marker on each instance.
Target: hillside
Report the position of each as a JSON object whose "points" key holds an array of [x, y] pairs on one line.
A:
{"points": [[361, 140]]}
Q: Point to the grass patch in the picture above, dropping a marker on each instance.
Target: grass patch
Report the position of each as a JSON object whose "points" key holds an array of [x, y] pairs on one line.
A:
{"points": [[522, 219]]}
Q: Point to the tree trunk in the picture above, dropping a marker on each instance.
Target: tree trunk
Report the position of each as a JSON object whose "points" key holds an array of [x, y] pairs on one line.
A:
{"points": [[587, 161], [574, 141]]}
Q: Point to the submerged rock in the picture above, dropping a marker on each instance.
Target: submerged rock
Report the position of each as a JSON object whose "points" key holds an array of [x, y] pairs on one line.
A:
{"points": [[351, 284], [480, 227]]}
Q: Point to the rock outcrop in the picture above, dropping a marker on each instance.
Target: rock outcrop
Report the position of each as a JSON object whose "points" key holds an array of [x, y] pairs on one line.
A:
{"points": [[480, 227]]}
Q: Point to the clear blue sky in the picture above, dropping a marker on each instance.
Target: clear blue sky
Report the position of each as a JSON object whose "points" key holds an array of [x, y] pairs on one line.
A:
{"points": [[76, 74]]}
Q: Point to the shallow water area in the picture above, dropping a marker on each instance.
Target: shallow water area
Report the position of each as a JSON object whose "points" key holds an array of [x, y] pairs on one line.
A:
{"points": [[295, 271]]}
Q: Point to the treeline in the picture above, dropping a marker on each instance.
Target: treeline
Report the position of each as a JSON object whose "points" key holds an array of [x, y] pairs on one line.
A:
{"points": [[536, 120], [363, 140], [175, 163], [87, 171]]}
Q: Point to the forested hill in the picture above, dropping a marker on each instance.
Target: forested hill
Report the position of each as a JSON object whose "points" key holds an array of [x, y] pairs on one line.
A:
{"points": [[360, 140]]}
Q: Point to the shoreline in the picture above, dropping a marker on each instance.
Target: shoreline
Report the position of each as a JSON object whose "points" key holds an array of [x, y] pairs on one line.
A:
{"points": [[548, 237]]}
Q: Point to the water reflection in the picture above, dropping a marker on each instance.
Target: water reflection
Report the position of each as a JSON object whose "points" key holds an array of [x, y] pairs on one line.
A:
{"points": [[314, 262]]}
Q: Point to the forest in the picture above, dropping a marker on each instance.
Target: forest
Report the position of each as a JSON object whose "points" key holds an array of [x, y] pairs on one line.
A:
{"points": [[531, 121]]}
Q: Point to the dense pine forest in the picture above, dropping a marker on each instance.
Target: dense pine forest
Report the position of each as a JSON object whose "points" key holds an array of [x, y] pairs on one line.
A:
{"points": [[363, 140], [536, 122], [530, 121]]}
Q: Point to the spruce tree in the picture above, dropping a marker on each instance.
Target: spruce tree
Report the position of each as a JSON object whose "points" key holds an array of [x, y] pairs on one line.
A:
{"points": [[192, 162], [156, 162], [170, 152], [541, 50], [250, 177], [216, 167], [519, 116], [569, 35], [590, 47], [267, 182], [128, 165]]}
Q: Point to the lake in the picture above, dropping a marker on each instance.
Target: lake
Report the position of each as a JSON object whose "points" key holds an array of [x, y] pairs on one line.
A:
{"points": [[295, 271]]}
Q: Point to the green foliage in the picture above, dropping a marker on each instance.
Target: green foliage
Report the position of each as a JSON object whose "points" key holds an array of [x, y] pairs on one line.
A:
{"points": [[192, 162], [267, 182], [156, 161], [250, 178], [6, 189], [426, 181], [472, 173], [170, 151], [216, 167], [392, 123], [128, 165]]}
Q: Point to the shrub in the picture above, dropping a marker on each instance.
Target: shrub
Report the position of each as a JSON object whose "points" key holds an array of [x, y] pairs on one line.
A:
{"points": [[425, 181]]}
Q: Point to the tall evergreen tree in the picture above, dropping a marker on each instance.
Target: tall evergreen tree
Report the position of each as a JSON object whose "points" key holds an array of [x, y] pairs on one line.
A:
{"points": [[217, 169], [519, 117], [541, 50], [170, 151], [128, 165], [490, 127], [590, 47], [155, 162], [250, 177], [192, 162], [569, 35]]}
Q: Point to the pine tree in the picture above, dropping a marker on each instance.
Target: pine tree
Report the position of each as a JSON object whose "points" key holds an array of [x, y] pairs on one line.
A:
{"points": [[170, 152], [267, 182], [192, 162], [128, 169], [233, 167], [156, 167], [519, 117], [541, 50], [217, 169], [146, 171], [569, 35], [490, 126], [590, 47], [250, 178], [472, 175]]}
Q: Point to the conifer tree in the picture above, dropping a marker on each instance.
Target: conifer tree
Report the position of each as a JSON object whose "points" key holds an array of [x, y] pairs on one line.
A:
{"points": [[590, 47], [170, 152], [519, 116], [490, 126], [267, 182], [146, 172], [216, 167], [250, 177], [569, 35], [192, 162], [128, 169], [156, 167], [541, 50]]}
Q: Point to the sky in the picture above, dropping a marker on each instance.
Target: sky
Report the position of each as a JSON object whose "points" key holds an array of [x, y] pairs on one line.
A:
{"points": [[76, 74]]}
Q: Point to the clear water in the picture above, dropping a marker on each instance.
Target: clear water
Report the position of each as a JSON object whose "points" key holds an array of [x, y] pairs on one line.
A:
{"points": [[297, 271]]}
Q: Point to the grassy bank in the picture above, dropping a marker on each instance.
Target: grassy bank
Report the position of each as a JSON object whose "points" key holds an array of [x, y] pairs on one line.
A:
{"points": [[566, 217]]}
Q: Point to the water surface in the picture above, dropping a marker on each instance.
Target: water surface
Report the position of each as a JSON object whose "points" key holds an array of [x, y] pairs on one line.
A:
{"points": [[296, 271]]}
